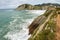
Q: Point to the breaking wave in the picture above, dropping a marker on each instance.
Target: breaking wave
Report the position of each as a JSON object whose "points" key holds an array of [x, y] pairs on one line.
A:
{"points": [[19, 26]]}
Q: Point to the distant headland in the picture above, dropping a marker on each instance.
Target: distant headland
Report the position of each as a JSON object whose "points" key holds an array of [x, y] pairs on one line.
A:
{"points": [[43, 6]]}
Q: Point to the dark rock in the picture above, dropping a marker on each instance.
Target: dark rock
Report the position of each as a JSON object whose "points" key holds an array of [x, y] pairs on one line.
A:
{"points": [[38, 21]]}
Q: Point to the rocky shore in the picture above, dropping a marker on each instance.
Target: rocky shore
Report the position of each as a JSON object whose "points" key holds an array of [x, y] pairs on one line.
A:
{"points": [[44, 26], [47, 25]]}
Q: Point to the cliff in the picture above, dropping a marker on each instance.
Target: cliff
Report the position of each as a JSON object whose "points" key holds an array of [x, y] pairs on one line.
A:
{"points": [[46, 26], [25, 7], [37, 7]]}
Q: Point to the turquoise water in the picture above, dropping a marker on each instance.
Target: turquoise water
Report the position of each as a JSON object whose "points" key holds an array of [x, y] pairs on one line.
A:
{"points": [[14, 24]]}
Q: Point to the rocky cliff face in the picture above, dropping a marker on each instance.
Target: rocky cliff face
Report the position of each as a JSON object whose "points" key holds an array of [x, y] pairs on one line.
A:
{"points": [[25, 7], [38, 21], [44, 27]]}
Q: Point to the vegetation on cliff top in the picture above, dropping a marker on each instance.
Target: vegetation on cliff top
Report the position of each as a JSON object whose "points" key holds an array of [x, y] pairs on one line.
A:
{"points": [[49, 29], [48, 33]]}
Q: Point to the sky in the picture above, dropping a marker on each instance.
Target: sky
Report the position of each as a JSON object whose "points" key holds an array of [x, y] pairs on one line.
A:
{"points": [[5, 4]]}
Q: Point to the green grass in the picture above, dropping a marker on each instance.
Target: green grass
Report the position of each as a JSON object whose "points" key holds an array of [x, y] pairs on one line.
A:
{"points": [[47, 13], [46, 34]]}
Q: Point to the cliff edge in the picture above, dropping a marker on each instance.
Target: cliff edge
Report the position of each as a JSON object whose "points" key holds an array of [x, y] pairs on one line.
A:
{"points": [[45, 27]]}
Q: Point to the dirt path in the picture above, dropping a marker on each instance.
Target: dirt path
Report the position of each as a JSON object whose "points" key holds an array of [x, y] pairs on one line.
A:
{"points": [[58, 27]]}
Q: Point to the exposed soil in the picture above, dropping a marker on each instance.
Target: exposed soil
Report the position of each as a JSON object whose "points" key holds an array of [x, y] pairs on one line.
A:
{"points": [[58, 27]]}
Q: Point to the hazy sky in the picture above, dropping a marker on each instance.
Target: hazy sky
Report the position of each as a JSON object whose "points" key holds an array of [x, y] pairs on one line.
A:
{"points": [[14, 3]]}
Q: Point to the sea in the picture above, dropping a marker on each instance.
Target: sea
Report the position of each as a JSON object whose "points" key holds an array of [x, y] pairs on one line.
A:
{"points": [[14, 24]]}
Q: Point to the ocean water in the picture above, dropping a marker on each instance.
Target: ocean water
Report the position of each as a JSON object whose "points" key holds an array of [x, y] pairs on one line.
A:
{"points": [[14, 24]]}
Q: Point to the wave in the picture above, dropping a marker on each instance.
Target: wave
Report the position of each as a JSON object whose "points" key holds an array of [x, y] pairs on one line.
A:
{"points": [[19, 26], [36, 11], [21, 34]]}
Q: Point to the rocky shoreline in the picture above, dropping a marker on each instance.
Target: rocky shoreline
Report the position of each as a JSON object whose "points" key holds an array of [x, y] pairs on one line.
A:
{"points": [[44, 26]]}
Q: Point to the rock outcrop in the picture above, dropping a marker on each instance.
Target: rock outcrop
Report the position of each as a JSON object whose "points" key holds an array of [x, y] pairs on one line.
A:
{"points": [[25, 7], [38, 21], [44, 27]]}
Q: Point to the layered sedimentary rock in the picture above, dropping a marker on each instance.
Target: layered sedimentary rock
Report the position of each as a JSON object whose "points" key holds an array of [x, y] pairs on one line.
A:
{"points": [[44, 27], [38, 21]]}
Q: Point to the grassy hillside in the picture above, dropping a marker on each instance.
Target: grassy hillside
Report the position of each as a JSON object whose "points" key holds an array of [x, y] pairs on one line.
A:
{"points": [[45, 30]]}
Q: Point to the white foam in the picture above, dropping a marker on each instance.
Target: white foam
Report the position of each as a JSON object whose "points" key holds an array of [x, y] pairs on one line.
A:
{"points": [[22, 35], [37, 11], [29, 20], [19, 34], [17, 16]]}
